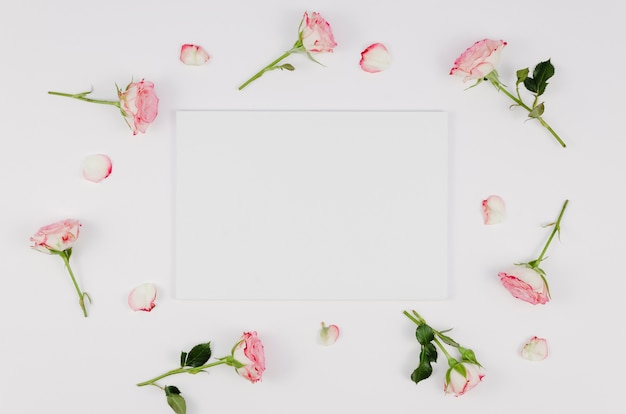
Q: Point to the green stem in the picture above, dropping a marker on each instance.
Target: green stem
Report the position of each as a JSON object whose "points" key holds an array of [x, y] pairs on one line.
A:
{"points": [[81, 295], [191, 370], [555, 230], [271, 66], [81, 97], [493, 78]]}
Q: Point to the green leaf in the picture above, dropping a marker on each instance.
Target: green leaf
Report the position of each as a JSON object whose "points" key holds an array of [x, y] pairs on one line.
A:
{"points": [[424, 334], [447, 340], [421, 373], [287, 66], [175, 400], [530, 84], [543, 71], [183, 358], [537, 111], [429, 353], [522, 74], [198, 355]]}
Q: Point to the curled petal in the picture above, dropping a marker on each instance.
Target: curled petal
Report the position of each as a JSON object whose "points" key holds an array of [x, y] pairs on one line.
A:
{"points": [[329, 334], [97, 167], [493, 209], [142, 297], [375, 58], [193, 55], [536, 349]]}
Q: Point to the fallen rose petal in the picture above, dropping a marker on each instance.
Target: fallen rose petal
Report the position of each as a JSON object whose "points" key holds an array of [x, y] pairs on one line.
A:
{"points": [[329, 334], [142, 297], [493, 210], [375, 58], [536, 349], [97, 167], [193, 55]]}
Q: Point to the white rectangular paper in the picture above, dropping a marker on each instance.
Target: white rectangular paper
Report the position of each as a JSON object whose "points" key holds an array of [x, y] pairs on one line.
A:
{"points": [[311, 205]]}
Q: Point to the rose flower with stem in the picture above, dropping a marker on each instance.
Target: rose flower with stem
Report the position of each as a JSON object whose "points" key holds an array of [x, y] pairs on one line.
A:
{"points": [[527, 281], [314, 36], [479, 62], [463, 374], [247, 357]]}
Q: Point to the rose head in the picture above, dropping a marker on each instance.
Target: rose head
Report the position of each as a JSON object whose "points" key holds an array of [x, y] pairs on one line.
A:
{"points": [[139, 105], [58, 236], [458, 384], [479, 60], [316, 34], [249, 353], [526, 284]]}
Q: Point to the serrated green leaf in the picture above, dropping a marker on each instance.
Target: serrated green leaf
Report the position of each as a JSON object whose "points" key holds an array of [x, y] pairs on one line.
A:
{"points": [[429, 353], [522, 74], [537, 111], [422, 372], [183, 358], [198, 355], [177, 403], [530, 84], [447, 340], [542, 72], [424, 334]]}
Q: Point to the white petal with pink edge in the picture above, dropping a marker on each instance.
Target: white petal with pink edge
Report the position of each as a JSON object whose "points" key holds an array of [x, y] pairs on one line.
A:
{"points": [[375, 58], [97, 167], [142, 297], [493, 210], [536, 349], [329, 334], [193, 55]]}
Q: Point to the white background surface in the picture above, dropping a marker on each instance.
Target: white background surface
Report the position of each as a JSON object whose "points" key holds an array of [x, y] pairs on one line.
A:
{"points": [[53, 359]]}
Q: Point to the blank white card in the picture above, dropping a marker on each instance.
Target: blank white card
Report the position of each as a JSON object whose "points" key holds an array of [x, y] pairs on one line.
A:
{"points": [[311, 205]]}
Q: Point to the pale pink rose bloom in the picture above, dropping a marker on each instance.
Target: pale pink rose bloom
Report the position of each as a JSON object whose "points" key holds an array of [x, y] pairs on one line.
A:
{"points": [[139, 105], [536, 349], [142, 297], [493, 210], [193, 55], [316, 33], [525, 284], [459, 384], [249, 352], [479, 60], [329, 334], [58, 236], [375, 58], [97, 167]]}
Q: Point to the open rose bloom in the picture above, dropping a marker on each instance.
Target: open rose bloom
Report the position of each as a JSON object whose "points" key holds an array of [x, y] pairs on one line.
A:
{"points": [[526, 284], [56, 237], [249, 353], [458, 384], [316, 34], [478, 60], [139, 105]]}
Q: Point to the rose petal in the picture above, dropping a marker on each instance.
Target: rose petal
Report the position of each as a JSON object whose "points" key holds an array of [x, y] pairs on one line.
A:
{"points": [[193, 55], [329, 334], [493, 210], [536, 349], [97, 167], [375, 58], [142, 297]]}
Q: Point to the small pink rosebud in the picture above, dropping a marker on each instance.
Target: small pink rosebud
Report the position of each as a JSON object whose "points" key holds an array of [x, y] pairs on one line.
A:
{"points": [[97, 167], [536, 349], [375, 58], [493, 210], [193, 55], [142, 297], [329, 334]]}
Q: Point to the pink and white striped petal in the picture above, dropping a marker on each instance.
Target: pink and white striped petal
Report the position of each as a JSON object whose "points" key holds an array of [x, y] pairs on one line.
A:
{"points": [[536, 349], [493, 210], [97, 167], [329, 334], [142, 297], [375, 58], [193, 55]]}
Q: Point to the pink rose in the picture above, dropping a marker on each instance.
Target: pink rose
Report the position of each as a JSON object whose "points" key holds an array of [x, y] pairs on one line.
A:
{"points": [[248, 352], [479, 60], [527, 284], [316, 34], [458, 384], [56, 237], [139, 105]]}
